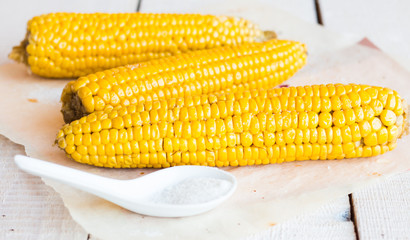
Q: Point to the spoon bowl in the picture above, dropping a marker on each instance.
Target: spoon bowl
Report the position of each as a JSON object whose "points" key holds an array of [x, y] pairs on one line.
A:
{"points": [[143, 194]]}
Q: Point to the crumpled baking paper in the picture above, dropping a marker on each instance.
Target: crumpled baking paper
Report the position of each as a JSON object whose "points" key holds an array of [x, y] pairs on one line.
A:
{"points": [[266, 195]]}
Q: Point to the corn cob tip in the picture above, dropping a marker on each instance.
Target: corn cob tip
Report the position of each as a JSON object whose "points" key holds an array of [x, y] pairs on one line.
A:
{"points": [[268, 35], [74, 109], [19, 53]]}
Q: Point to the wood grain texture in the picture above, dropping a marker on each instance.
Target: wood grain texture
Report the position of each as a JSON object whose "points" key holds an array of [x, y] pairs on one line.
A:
{"points": [[331, 221], [383, 211], [28, 208]]}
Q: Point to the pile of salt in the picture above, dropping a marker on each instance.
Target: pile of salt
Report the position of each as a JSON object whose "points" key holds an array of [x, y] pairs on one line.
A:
{"points": [[193, 191]]}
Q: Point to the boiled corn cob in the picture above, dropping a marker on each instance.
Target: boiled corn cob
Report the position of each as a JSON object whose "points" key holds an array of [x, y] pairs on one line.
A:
{"points": [[250, 65], [249, 127], [67, 45]]}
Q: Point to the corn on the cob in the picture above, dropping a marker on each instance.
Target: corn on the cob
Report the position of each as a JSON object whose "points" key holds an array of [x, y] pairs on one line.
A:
{"points": [[251, 65], [243, 128], [67, 45]]}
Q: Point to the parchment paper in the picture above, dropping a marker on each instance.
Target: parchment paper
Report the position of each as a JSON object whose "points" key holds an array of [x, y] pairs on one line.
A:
{"points": [[266, 195]]}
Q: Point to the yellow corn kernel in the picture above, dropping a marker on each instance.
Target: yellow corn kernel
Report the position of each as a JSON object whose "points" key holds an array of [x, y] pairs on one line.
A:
{"points": [[325, 120], [371, 139], [376, 124], [388, 117], [350, 117], [355, 130], [365, 128], [339, 119], [346, 134], [304, 120]]}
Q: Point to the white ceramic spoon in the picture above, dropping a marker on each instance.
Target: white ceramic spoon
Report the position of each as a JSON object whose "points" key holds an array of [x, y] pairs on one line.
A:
{"points": [[136, 194]]}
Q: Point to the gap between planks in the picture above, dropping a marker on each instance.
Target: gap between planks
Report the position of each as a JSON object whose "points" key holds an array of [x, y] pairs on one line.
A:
{"points": [[318, 12], [139, 2], [353, 216]]}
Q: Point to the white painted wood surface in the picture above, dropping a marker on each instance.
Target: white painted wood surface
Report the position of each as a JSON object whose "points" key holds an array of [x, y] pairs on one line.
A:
{"points": [[300, 8], [34, 211], [383, 211], [332, 221], [28, 208]]}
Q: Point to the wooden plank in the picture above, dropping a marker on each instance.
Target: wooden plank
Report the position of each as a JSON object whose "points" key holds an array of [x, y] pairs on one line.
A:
{"points": [[383, 22], [300, 8], [15, 15], [28, 208], [381, 211], [331, 221]]}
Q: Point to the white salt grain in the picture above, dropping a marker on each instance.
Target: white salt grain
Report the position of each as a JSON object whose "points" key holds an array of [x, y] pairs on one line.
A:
{"points": [[193, 190]]}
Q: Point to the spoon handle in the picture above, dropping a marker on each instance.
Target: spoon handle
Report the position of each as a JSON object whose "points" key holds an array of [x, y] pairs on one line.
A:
{"points": [[91, 183]]}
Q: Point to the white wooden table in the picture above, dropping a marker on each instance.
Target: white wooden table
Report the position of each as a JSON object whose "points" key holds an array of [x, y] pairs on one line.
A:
{"points": [[31, 210]]}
